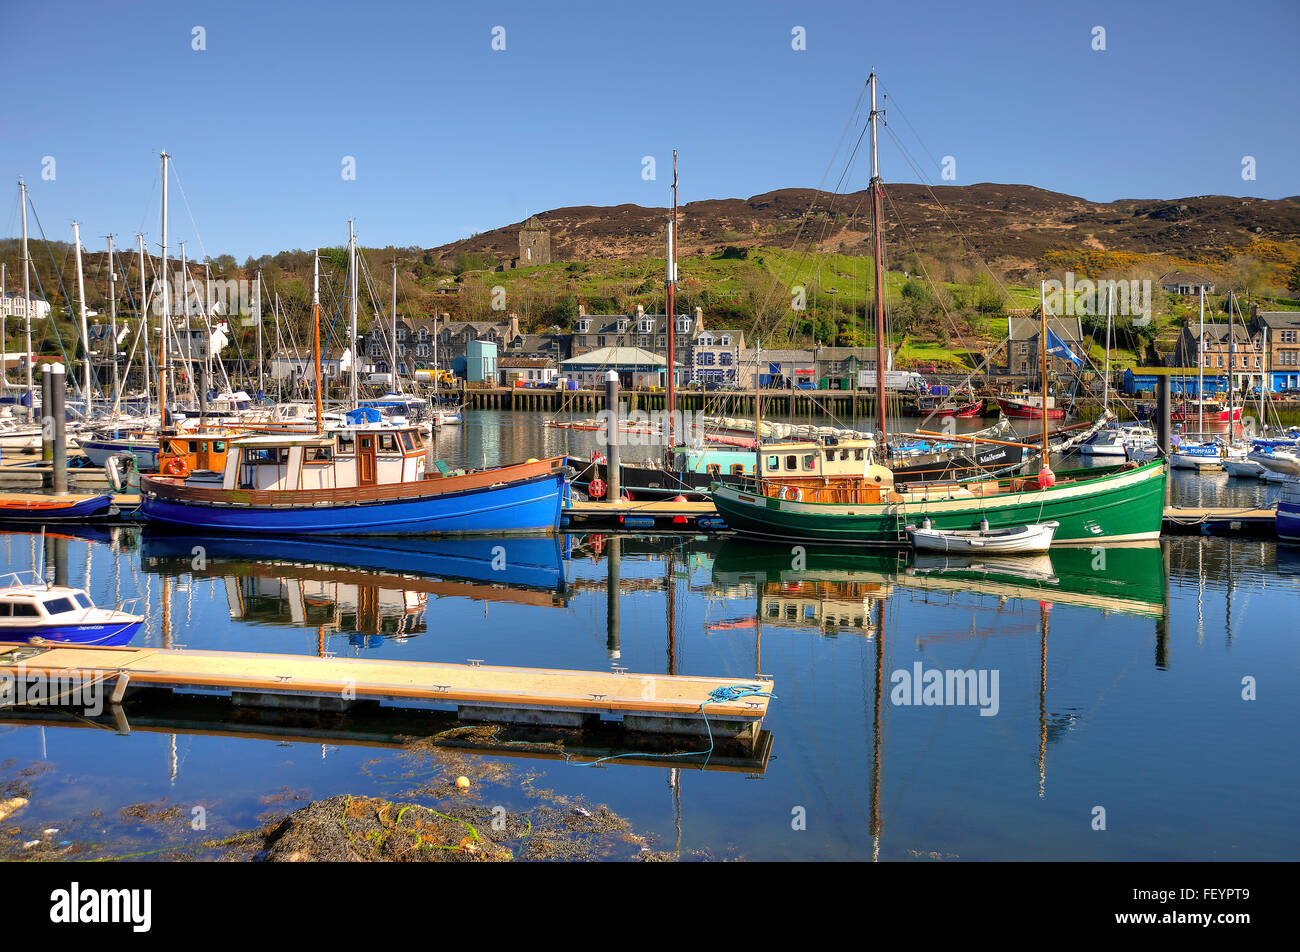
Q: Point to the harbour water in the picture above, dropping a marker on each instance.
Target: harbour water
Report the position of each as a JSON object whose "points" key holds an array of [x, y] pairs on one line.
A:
{"points": [[1151, 683]]}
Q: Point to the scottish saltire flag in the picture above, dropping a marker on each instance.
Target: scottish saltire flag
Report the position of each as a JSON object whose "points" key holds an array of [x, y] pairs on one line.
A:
{"points": [[1058, 348]]}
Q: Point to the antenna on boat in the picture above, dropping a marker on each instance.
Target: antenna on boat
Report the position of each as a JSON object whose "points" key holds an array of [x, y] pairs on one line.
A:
{"points": [[42, 562]]}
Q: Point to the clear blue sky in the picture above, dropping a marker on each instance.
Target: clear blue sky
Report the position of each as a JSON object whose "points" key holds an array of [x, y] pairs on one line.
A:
{"points": [[452, 137]]}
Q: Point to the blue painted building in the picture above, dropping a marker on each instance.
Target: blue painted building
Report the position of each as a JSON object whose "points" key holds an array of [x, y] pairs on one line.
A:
{"points": [[1183, 382], [481, 361]]}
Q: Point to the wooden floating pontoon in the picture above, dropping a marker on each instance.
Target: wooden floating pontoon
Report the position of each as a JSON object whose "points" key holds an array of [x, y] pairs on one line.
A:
{"points": [[651, 703], [703, 516]]}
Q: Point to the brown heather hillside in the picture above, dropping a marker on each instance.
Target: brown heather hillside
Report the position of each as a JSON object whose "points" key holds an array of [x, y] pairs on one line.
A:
{"points": [[1007, 225]]}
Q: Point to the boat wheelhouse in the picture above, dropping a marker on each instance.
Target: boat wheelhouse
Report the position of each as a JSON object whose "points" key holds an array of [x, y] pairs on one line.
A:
{"points": [[360, 480]]}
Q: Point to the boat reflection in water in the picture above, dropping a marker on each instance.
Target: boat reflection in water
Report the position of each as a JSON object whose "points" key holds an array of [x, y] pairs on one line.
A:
{"points": [[368, 588], [831, 588]]}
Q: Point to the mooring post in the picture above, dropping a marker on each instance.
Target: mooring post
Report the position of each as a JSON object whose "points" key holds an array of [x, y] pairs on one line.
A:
{"points": [[47, 417], [60, 460], [613, 563], [614, 488]]}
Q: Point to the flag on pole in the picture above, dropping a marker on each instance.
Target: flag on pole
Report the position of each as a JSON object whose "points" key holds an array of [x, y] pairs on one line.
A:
{"points": [[1058, 348]]}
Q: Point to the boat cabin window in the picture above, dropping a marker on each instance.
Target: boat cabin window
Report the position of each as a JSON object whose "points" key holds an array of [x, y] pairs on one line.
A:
{"points": [[408, 441], [857, 454], [218, 446], [56, 606], [194, 446], [388, 442], [6, 609], [714, 469], [273, 454], [737, 469], [24, 609], [347, 444], [791, 462], [774, 462], [318, 454], [810, 461], [84, 600]]}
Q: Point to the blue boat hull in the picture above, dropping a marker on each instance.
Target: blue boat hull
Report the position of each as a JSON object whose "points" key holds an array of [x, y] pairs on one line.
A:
{"points": [[528, 505], [83, 509], [113, 635], [1288, 522], [527, 562]]}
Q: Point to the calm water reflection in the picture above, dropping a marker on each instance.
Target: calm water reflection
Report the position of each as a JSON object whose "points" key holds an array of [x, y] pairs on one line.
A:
{"points": [[1119, 684]]}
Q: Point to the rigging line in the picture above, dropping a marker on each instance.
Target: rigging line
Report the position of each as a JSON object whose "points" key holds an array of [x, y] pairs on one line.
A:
{"points": [[944, 209], [848, 125], [186, 200], [148, 205], [40, 286]]}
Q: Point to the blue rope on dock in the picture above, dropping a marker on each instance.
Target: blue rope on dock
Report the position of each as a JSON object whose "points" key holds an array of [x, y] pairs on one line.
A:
{"points": [[732, 692]]}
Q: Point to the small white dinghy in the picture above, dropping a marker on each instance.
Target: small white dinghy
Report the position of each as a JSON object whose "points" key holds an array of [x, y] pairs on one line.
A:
{"points": [[1013, 541]]}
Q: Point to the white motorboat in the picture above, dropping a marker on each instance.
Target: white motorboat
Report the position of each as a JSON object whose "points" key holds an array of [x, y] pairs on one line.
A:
{"points": [[1010, 541], [1120, 441], [1276, 459], [1243, 468]]}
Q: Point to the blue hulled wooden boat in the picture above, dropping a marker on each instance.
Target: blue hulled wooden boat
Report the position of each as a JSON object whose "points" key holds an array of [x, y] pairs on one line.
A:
{"points": [[363, 480], [44, 508]]}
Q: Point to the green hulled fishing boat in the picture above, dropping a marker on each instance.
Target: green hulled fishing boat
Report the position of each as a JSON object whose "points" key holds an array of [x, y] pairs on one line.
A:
{"points": [[822, 494], [1114, 504]]}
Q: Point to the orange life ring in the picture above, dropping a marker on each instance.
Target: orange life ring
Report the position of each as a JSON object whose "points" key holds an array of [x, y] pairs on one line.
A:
{"points": [[596, 488], [792, 493], [174, 467]]}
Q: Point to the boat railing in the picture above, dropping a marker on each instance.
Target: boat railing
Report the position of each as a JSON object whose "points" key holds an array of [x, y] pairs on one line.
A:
{"points": [[18, 579], [433, 484]]}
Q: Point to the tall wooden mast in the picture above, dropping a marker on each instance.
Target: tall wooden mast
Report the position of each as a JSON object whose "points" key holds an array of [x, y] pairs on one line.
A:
{"points": [[877, 233], [672, 320], [315, 346]]}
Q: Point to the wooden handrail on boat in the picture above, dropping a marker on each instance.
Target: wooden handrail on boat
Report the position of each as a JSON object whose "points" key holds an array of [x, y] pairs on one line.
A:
{"points": [[967, 438], [432, 485]]}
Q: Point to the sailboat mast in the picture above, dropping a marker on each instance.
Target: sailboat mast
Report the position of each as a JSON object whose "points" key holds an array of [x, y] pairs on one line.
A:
{"points": [[81, 308], [257, 298], [315, 328], [672, 297], [112, 313], [1200, 372], [879, 253], [352, 282], [1105, 384], [1232, 361], [396, 385], [143, 314], [1042, 361], [164, 363], [27, 306]]}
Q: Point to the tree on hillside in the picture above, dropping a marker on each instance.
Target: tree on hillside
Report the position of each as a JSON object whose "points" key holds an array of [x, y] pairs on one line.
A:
{"points": [[1293, 281]]}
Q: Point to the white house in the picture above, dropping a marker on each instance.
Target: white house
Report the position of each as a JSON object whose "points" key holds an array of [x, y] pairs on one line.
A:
{"points": [[13, 304]]}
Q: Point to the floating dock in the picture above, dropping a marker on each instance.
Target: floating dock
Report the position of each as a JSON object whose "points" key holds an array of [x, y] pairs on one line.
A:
{"points": [[628, 514], [1183, 520], [703, 517], [392, 728], [647, 703]]}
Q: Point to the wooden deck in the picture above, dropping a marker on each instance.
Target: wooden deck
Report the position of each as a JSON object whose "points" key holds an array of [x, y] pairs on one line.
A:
{"points": [[652, 703], [1220, 521], [668, 514]]}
